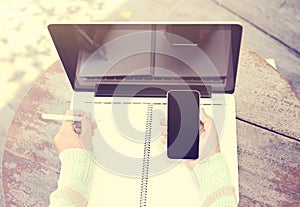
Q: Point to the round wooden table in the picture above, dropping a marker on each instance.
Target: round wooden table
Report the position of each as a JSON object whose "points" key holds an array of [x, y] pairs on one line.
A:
{"points": [[268, 129]]}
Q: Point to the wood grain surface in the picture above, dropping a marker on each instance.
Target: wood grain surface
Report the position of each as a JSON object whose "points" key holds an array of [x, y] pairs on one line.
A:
{"points": [[30, 167], [268, 134], [269, 167], [263, 97]]}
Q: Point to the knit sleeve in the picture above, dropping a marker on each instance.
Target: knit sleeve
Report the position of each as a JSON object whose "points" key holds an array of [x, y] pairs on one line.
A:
{"points": [[214, 182], [76, 174]]}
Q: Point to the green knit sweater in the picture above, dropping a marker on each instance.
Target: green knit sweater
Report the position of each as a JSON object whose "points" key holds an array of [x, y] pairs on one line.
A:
{"points": [[77, 169]]}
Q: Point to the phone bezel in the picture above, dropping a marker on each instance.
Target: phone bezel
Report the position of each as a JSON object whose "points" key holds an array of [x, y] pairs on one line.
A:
{"points": [[199, 96]]}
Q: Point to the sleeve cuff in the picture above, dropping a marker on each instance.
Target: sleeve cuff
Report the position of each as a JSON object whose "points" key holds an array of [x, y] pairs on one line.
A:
{"points": [[77, 169], [212, 173]]}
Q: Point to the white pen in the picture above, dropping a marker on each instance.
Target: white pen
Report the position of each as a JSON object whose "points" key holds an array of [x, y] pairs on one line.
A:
{"points": [[61, 117]]}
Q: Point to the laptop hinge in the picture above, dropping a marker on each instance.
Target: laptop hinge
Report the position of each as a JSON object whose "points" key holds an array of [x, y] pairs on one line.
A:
{"points": [[146, 90]]}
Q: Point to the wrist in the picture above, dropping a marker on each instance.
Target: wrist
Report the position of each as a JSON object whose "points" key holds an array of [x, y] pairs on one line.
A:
{"points": [[212, 170]]}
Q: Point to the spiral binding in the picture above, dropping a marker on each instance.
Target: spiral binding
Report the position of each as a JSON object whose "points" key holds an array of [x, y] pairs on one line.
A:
{"points": [[146, 158]]}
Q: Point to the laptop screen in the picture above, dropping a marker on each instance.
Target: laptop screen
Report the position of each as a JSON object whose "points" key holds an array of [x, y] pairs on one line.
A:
{"points": [[151, 54]]}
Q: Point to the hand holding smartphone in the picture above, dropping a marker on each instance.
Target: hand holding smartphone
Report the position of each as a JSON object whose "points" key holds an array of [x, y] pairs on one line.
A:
{"points": [[183, 124]]}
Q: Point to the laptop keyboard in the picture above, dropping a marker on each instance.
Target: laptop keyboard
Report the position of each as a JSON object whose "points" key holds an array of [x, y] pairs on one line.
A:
{"points": [[151, 78]]}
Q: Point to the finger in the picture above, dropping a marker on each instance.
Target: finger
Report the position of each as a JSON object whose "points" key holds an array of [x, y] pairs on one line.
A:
{"points": [[68, 124], [164, 139], [86, 127], [77, 112], [69, 112], [201, 126], [204, 117], [94, 125], [164, 133], [164, 136], [77, 130], [77, 124], [163, 122], [89, 115]]}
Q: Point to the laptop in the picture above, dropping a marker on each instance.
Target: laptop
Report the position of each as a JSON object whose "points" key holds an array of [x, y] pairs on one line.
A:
{"points": [[121, 73]]}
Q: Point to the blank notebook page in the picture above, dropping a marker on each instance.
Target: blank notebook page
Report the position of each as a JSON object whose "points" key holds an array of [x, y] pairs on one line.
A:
{"points": [[111, 185]]}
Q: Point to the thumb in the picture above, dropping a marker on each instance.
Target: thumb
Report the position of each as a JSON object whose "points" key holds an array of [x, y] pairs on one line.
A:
{"points": [[204, 117], [206, 120]]}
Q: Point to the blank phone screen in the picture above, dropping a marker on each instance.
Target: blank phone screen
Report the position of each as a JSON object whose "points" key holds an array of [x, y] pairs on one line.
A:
{"points": [[183, 125]]}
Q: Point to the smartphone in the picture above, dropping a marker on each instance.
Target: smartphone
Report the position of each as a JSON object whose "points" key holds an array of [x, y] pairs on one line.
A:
{"points": [[183, 124]]}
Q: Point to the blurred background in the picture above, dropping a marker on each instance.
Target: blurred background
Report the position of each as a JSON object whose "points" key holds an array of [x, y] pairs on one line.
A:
{"points": [[271, 29]]}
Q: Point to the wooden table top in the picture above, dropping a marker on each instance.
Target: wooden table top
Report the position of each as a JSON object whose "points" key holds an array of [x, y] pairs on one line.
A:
{"points": [[268, 131]]}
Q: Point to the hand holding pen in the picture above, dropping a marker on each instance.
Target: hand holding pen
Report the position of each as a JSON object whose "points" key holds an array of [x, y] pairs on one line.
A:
{"points": [[75, 134]]}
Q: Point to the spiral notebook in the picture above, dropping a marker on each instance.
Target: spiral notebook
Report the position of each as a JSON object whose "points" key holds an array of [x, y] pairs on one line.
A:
{"points": [[132, 165], [142, 175]]}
